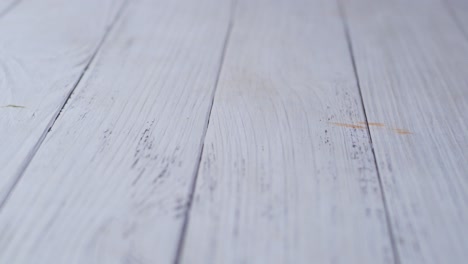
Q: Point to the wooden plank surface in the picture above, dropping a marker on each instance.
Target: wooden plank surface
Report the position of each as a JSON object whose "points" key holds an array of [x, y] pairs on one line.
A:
{"points": [[44, 48], [7, 5], [111, 181], [412, 64], [459, 11], [286, 173], [281, 179]]}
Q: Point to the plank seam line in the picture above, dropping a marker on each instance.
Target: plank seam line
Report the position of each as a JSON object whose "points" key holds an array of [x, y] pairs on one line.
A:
{"points": [[9, 8], [48, 128], [379, 177], [455, 18], [183, 234]]}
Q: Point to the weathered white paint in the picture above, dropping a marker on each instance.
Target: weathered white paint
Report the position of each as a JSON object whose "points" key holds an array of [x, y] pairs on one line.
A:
{"points": [[412, 63], [287, 174], [279, 182], [44, 48], [7, 5], [111, 181], [458, 9]]}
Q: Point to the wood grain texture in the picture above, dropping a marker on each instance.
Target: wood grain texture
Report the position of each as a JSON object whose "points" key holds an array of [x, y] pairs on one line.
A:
{"points": [[44, 48], [412, 64], [459, 12], [279, 182], [110, 183], [7, 5]]}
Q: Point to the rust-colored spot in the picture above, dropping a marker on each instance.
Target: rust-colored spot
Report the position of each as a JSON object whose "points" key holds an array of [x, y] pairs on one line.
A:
{"points": [[363, 125], [347, 125], [372, 124], [402, 131]]}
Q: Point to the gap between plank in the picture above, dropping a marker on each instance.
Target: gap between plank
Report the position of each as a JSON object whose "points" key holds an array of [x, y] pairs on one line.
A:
{"points": [[38, 144], [9, 8], [379, 177], [180, 245]]}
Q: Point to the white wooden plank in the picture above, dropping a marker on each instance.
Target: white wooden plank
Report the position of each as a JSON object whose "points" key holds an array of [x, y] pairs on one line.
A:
{"points": [[412, 64], [111, 181], [7, 5], [278, 183], [459, 12], [44, 48]]}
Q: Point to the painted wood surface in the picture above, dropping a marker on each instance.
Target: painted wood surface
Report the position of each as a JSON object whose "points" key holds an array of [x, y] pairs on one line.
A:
{"points": [[110, 183], [44, 48], [412, 64], [459, 11], [281, 179], [337, 133], [7, 5]]}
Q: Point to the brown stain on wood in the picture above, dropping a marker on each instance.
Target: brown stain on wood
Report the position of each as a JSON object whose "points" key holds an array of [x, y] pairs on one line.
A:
{"points": [[347, 125], [372, 124], [13, 106], [363, 125], [402, 131]]}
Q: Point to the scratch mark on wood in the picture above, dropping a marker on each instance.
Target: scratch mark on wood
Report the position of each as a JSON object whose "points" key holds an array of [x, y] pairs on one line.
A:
{"points": [[13, 106]]}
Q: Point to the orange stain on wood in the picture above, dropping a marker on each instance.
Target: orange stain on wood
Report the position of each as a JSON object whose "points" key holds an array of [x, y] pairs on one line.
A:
{"points": [[363, 125], [402, 131], [372, 124], [347, 125]]}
